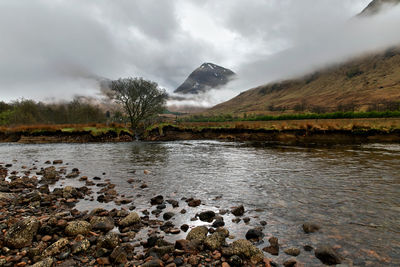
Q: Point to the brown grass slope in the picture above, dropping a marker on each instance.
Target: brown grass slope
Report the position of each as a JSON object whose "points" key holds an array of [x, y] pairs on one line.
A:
{"points": [[361, 83]]}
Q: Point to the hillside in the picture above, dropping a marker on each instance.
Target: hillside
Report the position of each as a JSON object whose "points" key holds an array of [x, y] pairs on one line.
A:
{"points": [[375, 6], [369, 82], [205, 77]]}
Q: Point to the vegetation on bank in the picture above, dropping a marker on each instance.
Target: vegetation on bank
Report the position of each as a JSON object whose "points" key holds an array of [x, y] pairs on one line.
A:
{"points": [[29, 112], [302, 116], [95, 129], [385, 125]]}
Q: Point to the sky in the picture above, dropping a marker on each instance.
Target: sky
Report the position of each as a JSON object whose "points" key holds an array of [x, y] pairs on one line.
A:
{"points": [[55, 49]]}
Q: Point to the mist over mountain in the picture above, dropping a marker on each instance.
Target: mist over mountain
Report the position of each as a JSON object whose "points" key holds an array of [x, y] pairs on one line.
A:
{"points": [[377, 6], [206, 77]]}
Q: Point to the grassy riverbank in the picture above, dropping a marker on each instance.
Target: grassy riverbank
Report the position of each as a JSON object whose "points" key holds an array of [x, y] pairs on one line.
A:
{"points": [[66, 133], [316, 130]]}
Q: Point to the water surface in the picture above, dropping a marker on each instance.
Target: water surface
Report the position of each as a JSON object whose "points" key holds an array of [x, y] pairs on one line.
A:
{"points": [[353, 192]]}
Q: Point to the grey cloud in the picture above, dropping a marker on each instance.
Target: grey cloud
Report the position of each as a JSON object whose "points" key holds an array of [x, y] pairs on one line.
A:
{"points": [[58, 48]]}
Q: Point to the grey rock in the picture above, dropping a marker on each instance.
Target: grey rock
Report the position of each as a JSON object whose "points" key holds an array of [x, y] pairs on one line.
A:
{"points": [[207, 216], [328, 255], [238, 211], [102, 223], [75, 228], [21, 233], [197, 233], [131, 219], [215, 241]]}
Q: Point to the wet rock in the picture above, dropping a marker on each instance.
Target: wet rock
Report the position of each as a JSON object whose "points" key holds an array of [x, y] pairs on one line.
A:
{"points": [[174, 231], [69, 192], [245, 249], [235, 261], [102, 223], [238, 211], [161, 251], [120, 254], [131, 219], [254, 234], [161, 206], [236, 220], [290, 263], [157, 200], [263, 223], [103, 261], [21, 233], [310, 227], [292, 251], [77, 228], [80, 246], [56, 247], [153, 263], [72, 174], [173, 202], [214, 241], [109, 241], [194, 203], [168, 215], [308, 248], [47, 262], [197, 233], [219, 222], [184, 227], [50, 173], [273, 249], [328, 255], [246, 219], [57, 161], [207, 216]]}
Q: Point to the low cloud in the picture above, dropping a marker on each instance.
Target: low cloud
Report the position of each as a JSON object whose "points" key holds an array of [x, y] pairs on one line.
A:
{"points": [[55, 49]]}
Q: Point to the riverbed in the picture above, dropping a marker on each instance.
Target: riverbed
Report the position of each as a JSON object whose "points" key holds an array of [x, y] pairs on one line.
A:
{"points": [[351, 191]]}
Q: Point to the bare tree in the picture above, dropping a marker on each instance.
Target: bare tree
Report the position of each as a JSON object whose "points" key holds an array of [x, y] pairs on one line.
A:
{"points": [[141, 99]]}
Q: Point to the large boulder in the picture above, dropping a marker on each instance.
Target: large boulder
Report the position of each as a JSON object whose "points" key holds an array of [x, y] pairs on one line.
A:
{"points": [[244, 249], [328, 255], [197, 233], [50, 173], [129, 220], [254, 234], [21, 233], [207, 216], [56, 247], [102, 223], [78, 228], [215, 241], [109, 241]]}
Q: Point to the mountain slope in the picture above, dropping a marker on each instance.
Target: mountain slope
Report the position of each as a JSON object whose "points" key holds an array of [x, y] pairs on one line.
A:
{"points": [[205, 77], [375, 6], [362, 83]]}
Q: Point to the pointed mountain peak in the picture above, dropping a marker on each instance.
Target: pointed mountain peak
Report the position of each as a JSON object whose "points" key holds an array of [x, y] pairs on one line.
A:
{"points": [[206, 77], [376, 6]]}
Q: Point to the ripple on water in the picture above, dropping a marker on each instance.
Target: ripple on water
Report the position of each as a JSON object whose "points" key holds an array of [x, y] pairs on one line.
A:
{"points": [[352, 191]]}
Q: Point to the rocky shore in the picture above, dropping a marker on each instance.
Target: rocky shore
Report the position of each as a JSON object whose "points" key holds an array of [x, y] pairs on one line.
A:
{"points": [[41, 227]]}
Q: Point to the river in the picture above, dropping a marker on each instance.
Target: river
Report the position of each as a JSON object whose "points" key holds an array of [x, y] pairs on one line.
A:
{"points": [[352, 192]]}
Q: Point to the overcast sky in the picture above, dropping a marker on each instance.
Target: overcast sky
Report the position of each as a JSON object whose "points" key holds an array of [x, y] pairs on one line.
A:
{"points": [[53, 49]]}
